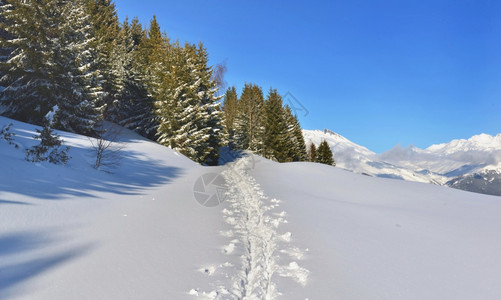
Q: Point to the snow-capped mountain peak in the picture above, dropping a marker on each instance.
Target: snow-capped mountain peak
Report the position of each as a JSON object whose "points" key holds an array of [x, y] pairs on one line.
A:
{"points": [[480, 142], [443, 163]]}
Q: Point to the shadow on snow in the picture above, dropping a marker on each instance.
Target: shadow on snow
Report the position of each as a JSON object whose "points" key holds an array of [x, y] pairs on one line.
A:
{"points": [[27, 244], [46, 181]]}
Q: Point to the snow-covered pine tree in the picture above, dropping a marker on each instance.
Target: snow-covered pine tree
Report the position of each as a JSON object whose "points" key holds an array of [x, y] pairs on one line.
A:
{"points": [[178, 107], [79, 106], [189, 117], [105, 29], [25, 77], [312, 152], [50, 147], [249, 129], [4, 51], [155, 59], [324, 154], [154, 56], [133, 102], [300, 144], [230, 104], [160, 65], [275, 128], [206, 88], [49, 67], [169, 91], [296, 146]]}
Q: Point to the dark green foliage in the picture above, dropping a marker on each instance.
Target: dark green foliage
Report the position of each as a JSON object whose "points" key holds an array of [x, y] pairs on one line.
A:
{"points": [[312, 153], [153, 60], [294, 136], [7, 135], [50, 67], [265, 127], [4, 51], [190, 117], [50, 148], [105, 24], [105, 30], [324, 154], [27, 92], [249, 128], [212, 116], [230, 105], [300, 144], [133, 102], [275, 129]]}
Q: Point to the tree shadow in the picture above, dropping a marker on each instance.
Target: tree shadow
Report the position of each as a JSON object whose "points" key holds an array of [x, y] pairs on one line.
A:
{"points": [[14, 202], [227, 155], [47, 181], [22, 260]]}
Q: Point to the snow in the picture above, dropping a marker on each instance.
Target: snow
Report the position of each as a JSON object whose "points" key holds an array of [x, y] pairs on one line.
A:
{"points": [[315, 231], [252, 220], [50, 115], [375, 238]]}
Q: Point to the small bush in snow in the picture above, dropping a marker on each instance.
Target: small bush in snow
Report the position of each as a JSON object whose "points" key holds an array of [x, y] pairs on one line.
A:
{"points": [[7, 135], [50, 148]]}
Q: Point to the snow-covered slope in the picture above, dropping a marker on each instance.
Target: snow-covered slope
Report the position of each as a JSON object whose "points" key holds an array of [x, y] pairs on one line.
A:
{"points": [[282, 231], [376, 238], [453, 164]]}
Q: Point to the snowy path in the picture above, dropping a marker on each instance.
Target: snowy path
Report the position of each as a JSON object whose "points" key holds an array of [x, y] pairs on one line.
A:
{"points": [[254, 219]]}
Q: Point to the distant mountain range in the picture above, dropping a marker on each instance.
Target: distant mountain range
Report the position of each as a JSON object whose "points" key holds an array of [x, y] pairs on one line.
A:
{"points": [[472, 165]]}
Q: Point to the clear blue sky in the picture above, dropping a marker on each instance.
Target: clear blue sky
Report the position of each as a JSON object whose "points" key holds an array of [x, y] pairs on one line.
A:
{"points": [[377, 72]]}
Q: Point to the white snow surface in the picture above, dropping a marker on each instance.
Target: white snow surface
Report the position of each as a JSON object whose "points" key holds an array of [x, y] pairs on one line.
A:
{"points": [[435, 164], [284, 231]]}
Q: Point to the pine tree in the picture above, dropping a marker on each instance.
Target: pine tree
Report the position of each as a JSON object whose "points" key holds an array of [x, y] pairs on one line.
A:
{"points": [[249, 129], [134, 104], [324, 154], [155, 54], [4, 35], [78, 107], [7, 135], [312, 152], [230, 104], [171, 95], [155, 60], [50, 147], [275, 128], [296, 146], [26, 81], [105, 30], [49, 67], [299, 143], [206, 90], [189, 116]]}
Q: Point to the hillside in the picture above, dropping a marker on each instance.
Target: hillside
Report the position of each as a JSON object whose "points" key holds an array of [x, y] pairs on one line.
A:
{"points": [[287, 231], [473, 164]]}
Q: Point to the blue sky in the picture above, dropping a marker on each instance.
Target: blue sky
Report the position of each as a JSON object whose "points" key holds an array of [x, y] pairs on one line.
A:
{"points": [[377, 72]]}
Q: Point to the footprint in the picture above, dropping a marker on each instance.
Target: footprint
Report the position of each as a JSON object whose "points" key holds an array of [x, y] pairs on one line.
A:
{"points": [[208, 270], [286, 236], [295, 253], [228, 249]]}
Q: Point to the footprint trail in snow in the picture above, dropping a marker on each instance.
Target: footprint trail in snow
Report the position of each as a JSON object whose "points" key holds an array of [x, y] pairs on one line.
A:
{"points": [[254, 220]]}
